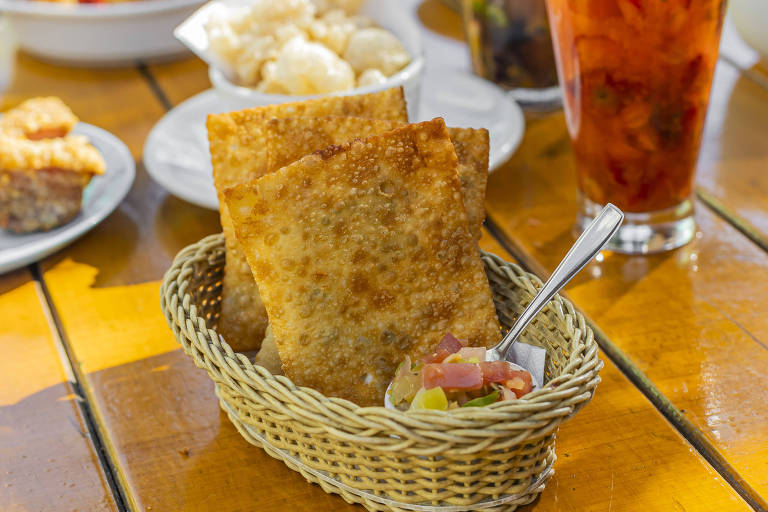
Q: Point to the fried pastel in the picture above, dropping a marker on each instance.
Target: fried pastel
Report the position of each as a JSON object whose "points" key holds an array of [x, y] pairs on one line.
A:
{"points": [[242, 317], [38, 118], [288, 139], [238, 154], [362, 255], [236, 139], [472, 147]]}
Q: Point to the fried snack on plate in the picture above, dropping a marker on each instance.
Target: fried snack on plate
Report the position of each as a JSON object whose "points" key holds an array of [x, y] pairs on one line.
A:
{"points": [[42, 182], [362, 255], [238, 155], [288, 139], [38, 118]]}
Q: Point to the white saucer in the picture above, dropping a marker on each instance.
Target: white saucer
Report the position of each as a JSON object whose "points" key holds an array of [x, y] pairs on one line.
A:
{"points": [[176, 150], [100, 198]]}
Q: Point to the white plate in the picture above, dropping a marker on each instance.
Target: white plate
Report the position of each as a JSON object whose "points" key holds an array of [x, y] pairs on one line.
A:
{"points": [[99, 34], [470, 102], [176, 150], [100, 198]]}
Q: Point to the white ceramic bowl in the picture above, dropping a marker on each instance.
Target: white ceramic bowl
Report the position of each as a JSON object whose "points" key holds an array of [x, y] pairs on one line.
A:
{"points": [[99, 34], [751, 20], [395, 18]]}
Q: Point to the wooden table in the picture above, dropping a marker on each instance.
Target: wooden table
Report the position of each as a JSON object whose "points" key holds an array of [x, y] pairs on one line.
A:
{"points": [[100, 410]]}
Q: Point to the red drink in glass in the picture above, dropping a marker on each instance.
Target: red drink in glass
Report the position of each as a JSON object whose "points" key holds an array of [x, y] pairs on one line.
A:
{"points": [[636, 77]]}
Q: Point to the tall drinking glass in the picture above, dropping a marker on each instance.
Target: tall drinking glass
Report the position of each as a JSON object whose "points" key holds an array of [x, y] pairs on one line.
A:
{"points": [[636, 76]]}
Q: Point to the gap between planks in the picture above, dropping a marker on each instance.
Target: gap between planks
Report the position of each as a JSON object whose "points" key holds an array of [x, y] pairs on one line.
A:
{"points": [[712, 202], [735, 220], [672, 414], [73, 375]]}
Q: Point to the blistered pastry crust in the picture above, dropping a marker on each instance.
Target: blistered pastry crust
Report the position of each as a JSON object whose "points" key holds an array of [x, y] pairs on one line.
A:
{"points": [[362, 255]]}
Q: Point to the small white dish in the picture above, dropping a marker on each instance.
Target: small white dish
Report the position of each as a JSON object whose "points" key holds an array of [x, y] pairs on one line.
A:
{"points": [[98, 34], [398, 21], [468, 101], [102, 195], [176, 150]]}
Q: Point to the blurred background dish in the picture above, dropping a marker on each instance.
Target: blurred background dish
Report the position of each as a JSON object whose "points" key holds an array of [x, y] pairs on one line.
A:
{"points": [[102, 195], [103, 34]]}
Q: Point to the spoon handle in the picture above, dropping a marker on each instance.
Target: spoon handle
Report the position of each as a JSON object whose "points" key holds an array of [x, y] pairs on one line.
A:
{"points": [[597, 234]]}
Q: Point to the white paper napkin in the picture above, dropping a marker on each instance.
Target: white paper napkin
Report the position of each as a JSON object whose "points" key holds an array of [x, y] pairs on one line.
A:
{"points": [[530, 357]]}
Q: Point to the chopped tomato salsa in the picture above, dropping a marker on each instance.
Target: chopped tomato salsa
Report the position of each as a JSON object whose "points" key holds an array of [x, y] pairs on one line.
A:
{"points": [[452, 376], [456, 376]]}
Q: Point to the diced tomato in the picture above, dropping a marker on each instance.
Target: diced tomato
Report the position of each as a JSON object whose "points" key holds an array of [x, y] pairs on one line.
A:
{"points": [[452, 376], [447, 346], [495, 371], [450, 343], [518, 381], [520, 384], [467, 353], [435, 357]]}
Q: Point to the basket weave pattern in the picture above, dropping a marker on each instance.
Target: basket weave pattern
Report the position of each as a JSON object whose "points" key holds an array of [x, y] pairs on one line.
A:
{"points": [[381, 458]]}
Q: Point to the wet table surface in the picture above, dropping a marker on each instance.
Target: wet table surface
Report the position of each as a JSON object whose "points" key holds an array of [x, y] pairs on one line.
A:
{"points": [[101, 410]]}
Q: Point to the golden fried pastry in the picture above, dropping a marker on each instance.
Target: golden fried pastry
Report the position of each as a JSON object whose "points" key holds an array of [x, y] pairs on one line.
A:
{"points": [[288, 139], [38, 118], [362, 255], [237, 154], [472, 147]]}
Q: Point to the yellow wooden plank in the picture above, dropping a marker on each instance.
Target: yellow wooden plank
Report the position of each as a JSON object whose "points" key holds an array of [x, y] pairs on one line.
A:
{"points": [[47, 461]]}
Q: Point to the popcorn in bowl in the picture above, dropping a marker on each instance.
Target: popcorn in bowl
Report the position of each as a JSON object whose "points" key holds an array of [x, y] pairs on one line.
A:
{"points": [[301, 47], [304, 67]]}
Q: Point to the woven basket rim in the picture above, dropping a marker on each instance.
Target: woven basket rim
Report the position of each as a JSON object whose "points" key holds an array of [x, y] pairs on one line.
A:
{"points": [[499, 411]]}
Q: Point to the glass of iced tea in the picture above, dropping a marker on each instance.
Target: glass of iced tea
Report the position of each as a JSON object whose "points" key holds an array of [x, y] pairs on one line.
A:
{"points": [[510, 44], [636, 76]]}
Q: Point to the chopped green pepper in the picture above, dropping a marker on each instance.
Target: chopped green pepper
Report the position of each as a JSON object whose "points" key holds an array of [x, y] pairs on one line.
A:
{"points": [[488, 399]]}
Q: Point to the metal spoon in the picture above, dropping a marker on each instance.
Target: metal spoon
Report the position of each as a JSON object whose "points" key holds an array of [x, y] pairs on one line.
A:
{"points": [[591, 241]]}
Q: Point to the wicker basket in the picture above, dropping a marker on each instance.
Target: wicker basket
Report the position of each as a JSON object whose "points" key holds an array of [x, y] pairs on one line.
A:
{"points": [[497, 457]]}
